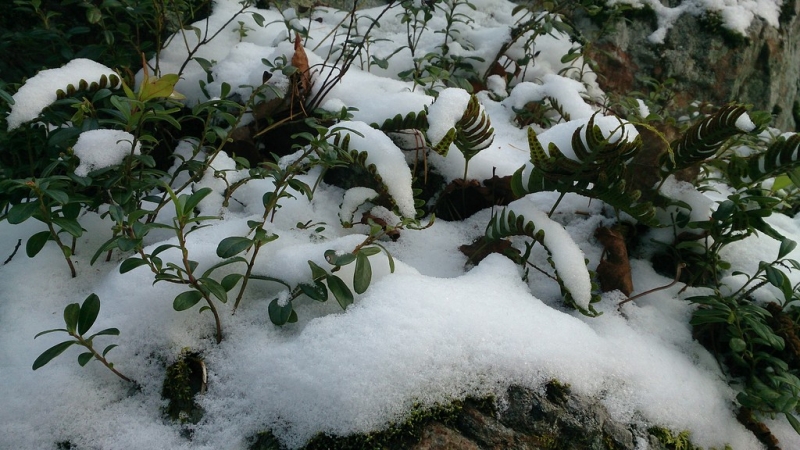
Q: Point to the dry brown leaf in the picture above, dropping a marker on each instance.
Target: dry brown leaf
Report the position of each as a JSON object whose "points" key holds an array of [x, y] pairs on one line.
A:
{"points": [[300, 61], [614, 272]]}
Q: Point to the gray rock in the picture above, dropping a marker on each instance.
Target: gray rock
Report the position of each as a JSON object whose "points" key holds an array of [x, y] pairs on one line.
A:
{"points": [[708, 62]]}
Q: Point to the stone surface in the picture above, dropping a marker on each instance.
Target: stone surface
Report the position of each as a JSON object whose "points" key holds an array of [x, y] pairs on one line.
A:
{"points": [[531, 419], [708, 62]]}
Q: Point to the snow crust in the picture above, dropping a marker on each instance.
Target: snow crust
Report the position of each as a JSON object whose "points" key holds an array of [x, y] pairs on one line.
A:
{"points": [[39, 91]]}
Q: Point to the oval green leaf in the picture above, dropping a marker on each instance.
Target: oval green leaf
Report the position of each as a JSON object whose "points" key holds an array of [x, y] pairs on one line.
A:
{"points": [[229, 282], [738, 345], [232, 246], [186, 300], [88, 313], [71, 226], [36, 243], [335, 258], [215, 288], [71, 314], [51, 353], [316, 291], [363, 274], [108, 349], [340, 291], [21, 212], [84, 358], [130, 264], [280, 315], [787, 245], [106, 332]]}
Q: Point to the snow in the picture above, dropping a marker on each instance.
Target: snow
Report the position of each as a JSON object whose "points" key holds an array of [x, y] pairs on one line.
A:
{"points": [[430, 332], [98, 149], [445, 112], [568, 258], [736, 15], [744, 123], [40, 91], [389, 162], [354, 198]]}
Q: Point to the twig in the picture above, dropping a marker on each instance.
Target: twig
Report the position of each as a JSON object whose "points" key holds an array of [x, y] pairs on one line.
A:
{"points": [[677, 277], [19, 242]]}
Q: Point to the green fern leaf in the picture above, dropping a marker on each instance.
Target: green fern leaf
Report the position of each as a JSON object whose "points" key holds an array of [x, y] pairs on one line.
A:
{"points": [[598, 172], [703, 139], [780, 157], [508, 223]]}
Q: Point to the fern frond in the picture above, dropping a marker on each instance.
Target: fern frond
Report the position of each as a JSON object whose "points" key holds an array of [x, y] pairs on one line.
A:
{"points": [[411, 121], [111, 81], [508, 223], [471, 134], [598, 172], [703, 139], [780, 157]]}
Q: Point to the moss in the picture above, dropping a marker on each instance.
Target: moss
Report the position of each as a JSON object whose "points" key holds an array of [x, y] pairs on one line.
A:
{"points": [[672, 441], [557, 392], [184, 379], [397, 435]]}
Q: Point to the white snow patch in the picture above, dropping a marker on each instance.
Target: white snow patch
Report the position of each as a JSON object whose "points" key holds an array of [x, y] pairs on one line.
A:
{"points": [[98, 149], [40, 91], [445, 112]]}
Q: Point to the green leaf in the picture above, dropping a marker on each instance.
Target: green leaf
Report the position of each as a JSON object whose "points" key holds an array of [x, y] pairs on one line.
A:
{"points": [[774, 276], [340, 291], [223, 263], [370, 251], [106, 332], [229, 282], [316, 291], [793, 422], [130, 264], [317, 272], [738, 345], [724, 210], [84, 358], [232, 246], [71, 314], [153, 87], [194, 199], [50, 331], [108, 349], [36, 243], [71, 226], [21, 212], [334, 258], [88, 313], [787, 245], [59, 196], [363, 273], [280, 315], [186, 300], [51, 353], [215, 288]]}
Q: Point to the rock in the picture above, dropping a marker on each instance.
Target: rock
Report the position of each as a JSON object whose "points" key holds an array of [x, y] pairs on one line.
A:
{"points": [[436, 436], [708, 62]]}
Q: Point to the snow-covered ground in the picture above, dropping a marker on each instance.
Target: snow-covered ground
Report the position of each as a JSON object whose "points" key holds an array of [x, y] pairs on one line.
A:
{"points": [[431, 332]]}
